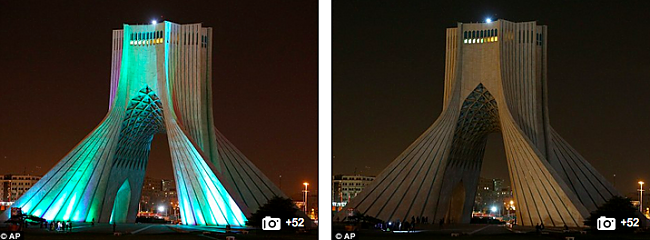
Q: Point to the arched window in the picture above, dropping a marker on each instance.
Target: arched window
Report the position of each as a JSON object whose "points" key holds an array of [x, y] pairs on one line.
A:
{"points": [[481, 34]]}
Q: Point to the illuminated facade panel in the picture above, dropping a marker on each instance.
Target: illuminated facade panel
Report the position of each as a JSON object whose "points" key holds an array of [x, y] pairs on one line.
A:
{"points": [[160, 83]]}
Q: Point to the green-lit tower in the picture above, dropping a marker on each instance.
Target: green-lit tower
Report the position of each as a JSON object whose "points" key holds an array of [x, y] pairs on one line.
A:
{"points": [[160, 83]]}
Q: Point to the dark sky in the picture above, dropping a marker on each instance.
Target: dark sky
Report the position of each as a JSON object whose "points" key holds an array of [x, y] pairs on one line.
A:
{"points": [[55, 62], [388, 75]]}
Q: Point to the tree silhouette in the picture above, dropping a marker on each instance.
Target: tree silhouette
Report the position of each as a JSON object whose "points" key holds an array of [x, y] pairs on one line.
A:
{"points": [[617, 207], [276, 207]]}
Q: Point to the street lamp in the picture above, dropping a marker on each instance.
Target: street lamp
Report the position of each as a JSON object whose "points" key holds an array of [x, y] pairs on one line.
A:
{"points": [[305, 191], [161, 209], [641, 196]]}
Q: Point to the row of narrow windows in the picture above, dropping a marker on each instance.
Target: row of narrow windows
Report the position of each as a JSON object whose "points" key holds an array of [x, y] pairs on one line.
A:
{"points": [[146, 38], [480, 33], [527, 37], [480, 36], [481, 40], [486, 36], [204, 41], [146, 35], [149, 38]]}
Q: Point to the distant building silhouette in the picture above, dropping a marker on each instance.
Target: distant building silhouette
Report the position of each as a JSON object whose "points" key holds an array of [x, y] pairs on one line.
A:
{"points": [[346, 187]]}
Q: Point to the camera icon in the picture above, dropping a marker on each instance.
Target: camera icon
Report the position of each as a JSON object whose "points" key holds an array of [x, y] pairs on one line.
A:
{"points": [[605, 223], [269, 223]]}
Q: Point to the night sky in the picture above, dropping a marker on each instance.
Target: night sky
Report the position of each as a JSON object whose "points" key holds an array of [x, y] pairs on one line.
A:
{"points": [[388, 77], [55, 62]]}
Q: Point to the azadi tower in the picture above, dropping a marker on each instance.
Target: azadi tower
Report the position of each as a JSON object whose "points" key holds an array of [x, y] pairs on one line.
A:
{"points": [[495, 81], [160, 83]]}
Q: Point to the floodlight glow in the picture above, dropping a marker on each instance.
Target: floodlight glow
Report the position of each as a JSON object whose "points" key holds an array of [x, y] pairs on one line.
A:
{"points": [[154, 22], [488, 20], [493, 209], [161, 209]]}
